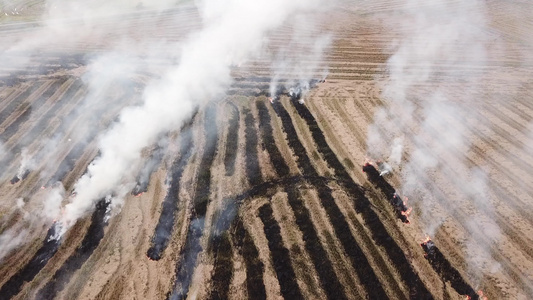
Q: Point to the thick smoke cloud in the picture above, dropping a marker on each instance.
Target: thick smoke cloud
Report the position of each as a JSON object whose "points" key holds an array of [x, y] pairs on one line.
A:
{"points": [[187, 71], [300, 60], [435, 77], [231, 33]]}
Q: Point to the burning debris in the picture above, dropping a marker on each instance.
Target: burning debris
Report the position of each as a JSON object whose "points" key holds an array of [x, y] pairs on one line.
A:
{"points": [[384, 168], [447, 272], [400, 205], [140, 189], [47, 250], [21, 176], [295, 92]]}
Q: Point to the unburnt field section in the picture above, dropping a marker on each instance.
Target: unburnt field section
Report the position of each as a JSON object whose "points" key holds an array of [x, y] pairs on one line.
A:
{"points": [[253, 199]]}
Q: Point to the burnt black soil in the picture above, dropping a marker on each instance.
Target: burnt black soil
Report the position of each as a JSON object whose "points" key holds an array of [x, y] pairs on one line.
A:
{"points": [[19, 101], [359, 261], [36, 130], [26, 274], [29, 108], [280, 255], [276, 159], [223, 266], [151, 164], [90, 242], [244, 244], [68, 163], [364, 207], [323, 266], [13, 127], [163, 230], [16, 178], [232, 139], [189, 254], [446, 271], [253, 172], [327, 277], [220, 248], [394, 199], [203, 183]]}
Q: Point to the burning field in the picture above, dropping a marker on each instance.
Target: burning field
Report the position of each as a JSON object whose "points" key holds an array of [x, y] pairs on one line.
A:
{"points": [[318, 151]]}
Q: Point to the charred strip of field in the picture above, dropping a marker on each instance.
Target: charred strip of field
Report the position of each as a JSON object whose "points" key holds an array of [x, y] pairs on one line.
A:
{"points": [[49, 92], [10, 108], [363, 206], [232, 140], [26, 274], [90, 242], [20, 177], [39, 127], [253, 171], [68, 163], [446, 271], [223, 266], [323, 266], [280, 255], [388, 190], [254, 266], [34, 106], [358, 259], [360, 263], [165, 224], [189, 254], [303, 161], [67, 96], [220, 247], [14, 126], [151, 164], [276, 159]]}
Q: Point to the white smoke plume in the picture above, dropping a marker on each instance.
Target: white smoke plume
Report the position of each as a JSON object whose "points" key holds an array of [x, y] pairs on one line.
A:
{"points": [[26, 163], [46, 209], [435, 77], [231, 33], [300, 60]]}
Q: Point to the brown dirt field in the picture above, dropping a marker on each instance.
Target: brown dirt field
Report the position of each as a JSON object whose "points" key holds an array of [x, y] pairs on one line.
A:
{"points": [[329, 221]]}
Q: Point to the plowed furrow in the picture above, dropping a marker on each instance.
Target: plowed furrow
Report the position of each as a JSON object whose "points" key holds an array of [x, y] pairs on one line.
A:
{"points": [[508, 268], [189, 254], [363, 206], [253, 171], [280, 255], [359, 261], [14, 126], [232, 139], [163, 229], [223, 266], [90, 242], [26, 274], [19, 100], [323, 266], [255, 268], [276, 159]]}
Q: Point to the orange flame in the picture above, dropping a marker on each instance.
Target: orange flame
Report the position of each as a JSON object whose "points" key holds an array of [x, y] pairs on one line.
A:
{"points": [[407, 212], [427, 239]]}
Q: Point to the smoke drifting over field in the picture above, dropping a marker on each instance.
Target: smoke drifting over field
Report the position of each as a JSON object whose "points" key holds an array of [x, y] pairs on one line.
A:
{"points": [[231, 33], [199, 71], [439, 40]]}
